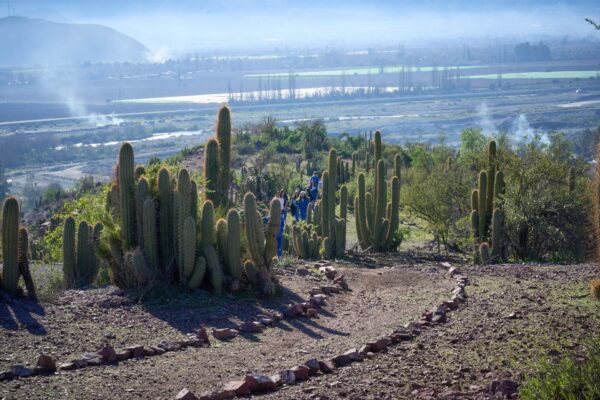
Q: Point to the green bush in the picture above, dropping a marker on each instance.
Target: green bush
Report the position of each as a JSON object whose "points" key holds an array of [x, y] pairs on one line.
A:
{"points": [[569, 378]]}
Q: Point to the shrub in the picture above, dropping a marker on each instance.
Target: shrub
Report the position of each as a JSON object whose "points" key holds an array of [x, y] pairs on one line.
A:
{"points": [[570, 378]]}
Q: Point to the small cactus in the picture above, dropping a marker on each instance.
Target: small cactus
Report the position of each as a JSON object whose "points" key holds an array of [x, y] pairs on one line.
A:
{"points": [[10, 242], [69, 252]]}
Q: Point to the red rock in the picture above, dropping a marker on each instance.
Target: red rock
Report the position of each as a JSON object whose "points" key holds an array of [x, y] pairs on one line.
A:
{"points": [[330, 289], [185, 394], [149, 352], [344, 285], [301, 372], [315, 291], [108, 354], [158, 351], [224, 334], [251, 327], [277, 379], [240, 388], [438, 319], [123, 355], [203, 335], [450, 304], [293, 310], [136, 351], [326, 366], [353, 354], [302, 271], [287, 377], [67, 366], [313, 366], [379, 345], [364, 349], [319, 299], [401, 337], [260, 383], [312, 312], [45, 363], [341, 360]]}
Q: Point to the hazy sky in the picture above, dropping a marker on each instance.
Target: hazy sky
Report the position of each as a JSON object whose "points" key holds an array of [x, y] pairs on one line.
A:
{"points": [[176, 25]]}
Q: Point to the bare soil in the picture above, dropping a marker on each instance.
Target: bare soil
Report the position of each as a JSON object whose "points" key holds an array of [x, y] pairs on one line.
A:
{"points": [[395, 292]]}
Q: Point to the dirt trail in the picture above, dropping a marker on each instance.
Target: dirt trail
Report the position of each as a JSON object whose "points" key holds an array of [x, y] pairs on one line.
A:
{"points": [[380, 299]]}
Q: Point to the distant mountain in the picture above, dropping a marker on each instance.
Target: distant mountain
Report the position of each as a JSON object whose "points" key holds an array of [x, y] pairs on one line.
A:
{"points": [[27, 41]]}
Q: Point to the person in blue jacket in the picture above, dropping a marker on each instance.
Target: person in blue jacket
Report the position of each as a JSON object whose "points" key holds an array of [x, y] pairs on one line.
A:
{"points": [[303, 205], [314, 180], [280, 234], [314, 193]]}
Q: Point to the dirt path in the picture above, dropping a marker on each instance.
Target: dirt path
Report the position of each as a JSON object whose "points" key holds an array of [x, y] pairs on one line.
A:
{"points": [[380, 299], [484, 341]]}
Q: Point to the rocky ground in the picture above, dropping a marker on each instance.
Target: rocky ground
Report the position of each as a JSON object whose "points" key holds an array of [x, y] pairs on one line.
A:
{"points": [[516, 314], [384, 293]]}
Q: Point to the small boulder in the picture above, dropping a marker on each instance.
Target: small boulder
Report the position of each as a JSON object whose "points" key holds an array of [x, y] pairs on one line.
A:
{"points": [[293, 310], [20, 371], [224, 334], [123, 355], [439, 318], [240, 388], [453, 271], [137, 351], [287, 377], [312, 312], [251, 327], [301, 372], [379, 344], [313, 366], [318, 299], [69, 366], [185, 394], [149, 352], [504, 388], [331, 289], [158, 351], [260, 383], [326, 366], [341, 360], [267, 321], [107, 354], [277, 379], [45, 363], [302, 271], [203, 335], [6, 376], [364, 349]]}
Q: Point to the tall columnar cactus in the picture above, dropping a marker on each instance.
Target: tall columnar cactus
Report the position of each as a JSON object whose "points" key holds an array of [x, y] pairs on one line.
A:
{"points": [[127, 195], [376, 219], [182, 210], [188, 250], [354, 162], [166, 223], [69, 252], [234, 253], [211, 169], [142, 193], [23, 261], [486, 203], [208, 239], [150, 235], [84, 254], [262, 246], [377, 147], [10, 243], [224, 141], [398, 167]]}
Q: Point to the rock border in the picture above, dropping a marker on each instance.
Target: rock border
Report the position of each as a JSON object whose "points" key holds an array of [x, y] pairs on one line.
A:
{"points": [[260, 383], [47, 365]]}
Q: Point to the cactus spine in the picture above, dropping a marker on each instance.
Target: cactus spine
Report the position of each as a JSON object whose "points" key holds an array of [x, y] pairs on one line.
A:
{"points": [[10, 242]]}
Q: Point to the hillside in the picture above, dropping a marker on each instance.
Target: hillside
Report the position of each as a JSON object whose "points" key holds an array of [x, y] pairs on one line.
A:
{"points": [[29, 41]]}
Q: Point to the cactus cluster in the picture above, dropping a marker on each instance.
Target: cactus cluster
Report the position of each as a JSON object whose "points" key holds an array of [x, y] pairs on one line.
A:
{"points": [[262, 244], [160, 237], [80, 263], [305, 241], [217, 160], [15, 243], [487, 216], [377, 220]]}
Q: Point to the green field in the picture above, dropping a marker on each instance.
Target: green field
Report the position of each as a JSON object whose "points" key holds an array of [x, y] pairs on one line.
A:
{"points": [[358, 71], [541, 75]]}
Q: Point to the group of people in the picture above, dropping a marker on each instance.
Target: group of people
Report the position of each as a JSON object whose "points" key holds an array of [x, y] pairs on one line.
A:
{"points": [[298, 205]]}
